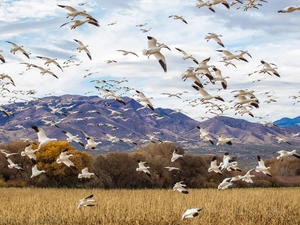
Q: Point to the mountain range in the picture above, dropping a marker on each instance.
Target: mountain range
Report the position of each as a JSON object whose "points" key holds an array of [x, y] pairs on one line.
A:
{"points": [[97, 117]]}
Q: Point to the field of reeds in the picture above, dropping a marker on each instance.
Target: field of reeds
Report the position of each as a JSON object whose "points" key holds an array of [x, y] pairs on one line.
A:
{"points": [[160, 207]]}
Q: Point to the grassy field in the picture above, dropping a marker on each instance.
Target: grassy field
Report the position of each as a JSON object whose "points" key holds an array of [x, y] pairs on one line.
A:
{"points": [[232, 206]]}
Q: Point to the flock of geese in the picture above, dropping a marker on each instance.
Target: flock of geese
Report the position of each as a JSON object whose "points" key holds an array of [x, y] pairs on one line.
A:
{"points": [[201, 75]]}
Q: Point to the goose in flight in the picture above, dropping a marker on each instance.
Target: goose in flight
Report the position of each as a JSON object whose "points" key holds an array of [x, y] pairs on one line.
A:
{"points": [[176, 17], [12, 165], [49, 61], [284, 154], [281, 140], [144, 99], [247, 177], [289, 9], [143, 168], [175, 156], [153, 49], [190, 73], [42, 138], [230, 56], [128, 52], [205, 95], [112, 138], [44, 71], [218, 77], [28, 151], [171, 168], [85, 173], [229, 163], [191, 213], [74, 12], [91, 143], [179, 186], [204, 135], [71, 137], [186, 56], [201, 4], [64, 158], [6, 153], [2, 57], [110, 94], [226, 183], [84, 48], [214, 166], [87, 201], [267, 68], [78, 23], [35, 171], [18, 48], [203, 67], [261, 167], [215, 37], [216, 2], [224, 140]]}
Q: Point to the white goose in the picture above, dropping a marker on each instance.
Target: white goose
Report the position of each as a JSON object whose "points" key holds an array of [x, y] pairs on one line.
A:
{"points": [[2, 57], [44, 71], [110, 94], [186, 56], [284, 154], [191, 213], [226, 183], [144, 99], [64, 158], [74, 12], [71, 137], [143, 168], [204, 135], [176, 17], [205, 95], [261, 167], [78, 23], [91, 143], [18, 48], [218, 77], [214, 167], [214, 37], [153, 49], [179, 186], [230, 56], [175, 156], [289, 9], [224, 140], [87, 201], [85, 173], [84, 48], [12, 165], [128, 52], [36, 171], [49, 61], [190, 73], [28, 151], [42, 138]]}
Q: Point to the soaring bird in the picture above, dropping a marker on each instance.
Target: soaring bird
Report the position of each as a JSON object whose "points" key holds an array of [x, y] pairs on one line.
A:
{"points": [[214, 37], [71, 137], [204, 135], [74, 12], [18, 48], [176, 17], [289, 9], [64, 158], [261, 167], [91, 143], [12, 165], [214, 166], [84, 48], [187, 56], [85, 173], [44, 71], [35, 171], [205, 95], [49, 61], [175, 156], [153, 49], [78, 23], [284, 154], [191, 213], [144, 99], [28, 151], [87, 201], [2, 57], [226, 183], [224, 140], [143, 168], [42, 138], [128, 52], [179, 186]]}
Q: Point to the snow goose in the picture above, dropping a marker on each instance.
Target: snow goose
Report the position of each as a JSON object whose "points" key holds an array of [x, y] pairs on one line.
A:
{"points": [[218, 77], [205, 95], [153, 49], [214, 37], [44, 71], [176, 17], [284, 154], [84, 48], [231, 56], [229, 163], [49, 61], [112, 138], [247, 177], [91, 143], [87, 201], [261, 167], [64, 158], [214, 167], [281, 140], [267, 68], [226, 183], [2, 57], [289, 9], [190, 73], [171, 168], [18, 48], [78, 23], [204, 135], [179, 186], [191, 213], [28, 151], [74, 12], [71, 137], [12, 165], [203, 67], [6, 153], [144, 99], [128, 52], [186, 56], [85, 173], [241, 100], [175, 156], [201, 4], [143, 168], [216, 2], [42, 138], [36, 171], [110, 94], [224, 140]]}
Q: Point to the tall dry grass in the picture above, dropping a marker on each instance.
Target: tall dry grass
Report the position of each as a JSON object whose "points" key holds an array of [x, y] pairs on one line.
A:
{"points": [[160, 207]]}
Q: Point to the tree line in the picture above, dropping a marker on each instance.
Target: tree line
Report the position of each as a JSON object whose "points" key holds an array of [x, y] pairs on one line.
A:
{"points": [[118, 169]]}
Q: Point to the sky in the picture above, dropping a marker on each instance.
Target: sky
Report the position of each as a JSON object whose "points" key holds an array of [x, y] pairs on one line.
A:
{"points": [[266, 35]]}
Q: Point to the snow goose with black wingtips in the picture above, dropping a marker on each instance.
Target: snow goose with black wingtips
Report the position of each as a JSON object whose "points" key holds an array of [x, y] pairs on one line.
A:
{"points": [[175, 156], [284, 154], [261, 167], [224, 140], [64, 158], [179, 186], [87, 201], [74, 12], [42, 138], [226, 183], [143, 168], [214, 37], [71, 137], [144, 99], [91, 143], [191, 213], [204, 135], [35, 171], [186, 56], [85, 173], [18, 48], [218, 77], [190, 73], [84, 48], [205, 95], [28, 151], [289, 9], [49, 61], [214, 166], [176, 17]]}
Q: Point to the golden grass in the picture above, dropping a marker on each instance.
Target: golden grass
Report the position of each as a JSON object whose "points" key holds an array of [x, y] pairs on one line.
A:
{"points": [[160, 207]]}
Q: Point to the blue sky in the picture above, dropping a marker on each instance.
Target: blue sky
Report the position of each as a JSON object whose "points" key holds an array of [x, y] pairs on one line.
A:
{"points": [[264, 33]]}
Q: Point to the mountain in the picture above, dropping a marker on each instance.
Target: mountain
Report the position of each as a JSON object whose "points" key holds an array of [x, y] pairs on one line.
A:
{"points": [[96, 116], [288, 121]]}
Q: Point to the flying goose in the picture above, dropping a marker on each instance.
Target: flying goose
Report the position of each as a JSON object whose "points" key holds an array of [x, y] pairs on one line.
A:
{"points": [[230, 56], [261, 167], [110, 94], [6, 153], [224, 140], [216, 2], [214, 167], [186, 56], [176, 17], [91, 143], [128, 52], [179, 186], [226, 183], [36, 171], [28, 151], [49, 61], [71, 137], [144, 99], [203, 67], [44, 71], [215, 37], [84, 48], [190, 73], [191, 213], [87, 201], [171, 168], [267, 68], [218, 77], [18, 48], [284, 154], [153, 49], [2, 57], [74, 12], [143, 168], [85, 173], [64, 158], [205, 95], [175, 156], [289, 9], [229, 163], [12, 165], [42, 138], [247, 177], [201, 4], [204, 135]]}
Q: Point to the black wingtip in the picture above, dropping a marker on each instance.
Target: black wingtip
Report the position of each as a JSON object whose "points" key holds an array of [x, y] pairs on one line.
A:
{"points": [[35, 128]]}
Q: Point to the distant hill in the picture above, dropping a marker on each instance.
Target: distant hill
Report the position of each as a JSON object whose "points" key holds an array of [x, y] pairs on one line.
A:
{"points": [[94, 115], [288, 121]]}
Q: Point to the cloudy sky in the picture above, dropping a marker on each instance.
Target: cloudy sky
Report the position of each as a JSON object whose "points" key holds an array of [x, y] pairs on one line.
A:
{"points": [[266, 34]]}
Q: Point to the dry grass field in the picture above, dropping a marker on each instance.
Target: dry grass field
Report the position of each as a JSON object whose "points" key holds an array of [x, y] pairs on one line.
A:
{"points": [[160, 207]]}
